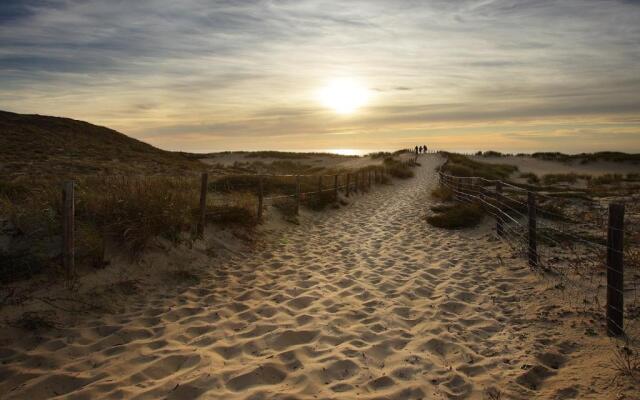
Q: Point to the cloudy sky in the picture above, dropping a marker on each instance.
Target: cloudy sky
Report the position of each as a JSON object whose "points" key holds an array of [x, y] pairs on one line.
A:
{"points": [[205, 75]]}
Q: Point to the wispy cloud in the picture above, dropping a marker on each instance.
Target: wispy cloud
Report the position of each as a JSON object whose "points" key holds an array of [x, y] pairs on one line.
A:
{"points": [[206, 75]]}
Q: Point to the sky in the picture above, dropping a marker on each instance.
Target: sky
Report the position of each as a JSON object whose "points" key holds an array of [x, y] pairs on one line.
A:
{"points": [[210, 75]]}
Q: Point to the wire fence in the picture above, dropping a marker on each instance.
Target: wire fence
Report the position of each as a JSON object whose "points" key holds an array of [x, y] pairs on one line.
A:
{"points": [[592, 252]]}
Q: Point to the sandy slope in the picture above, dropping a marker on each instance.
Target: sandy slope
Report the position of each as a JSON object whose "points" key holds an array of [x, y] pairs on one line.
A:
{"points": [[363, 302]]}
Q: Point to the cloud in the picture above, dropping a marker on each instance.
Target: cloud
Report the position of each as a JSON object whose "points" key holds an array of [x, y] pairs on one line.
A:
{"points": [[225, 70]]}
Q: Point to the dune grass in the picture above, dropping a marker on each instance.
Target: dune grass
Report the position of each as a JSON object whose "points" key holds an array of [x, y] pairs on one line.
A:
{"points": [[456, 216], [129, 212], [442, 193], [463, 166], [531, 178], [584, 158], [62, 147], [398, 169]]}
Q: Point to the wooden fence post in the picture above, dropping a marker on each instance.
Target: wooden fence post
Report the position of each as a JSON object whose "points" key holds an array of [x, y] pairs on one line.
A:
{"points": [[68, 230], [203, 203], [297, 194], [369, 173], [319, 184], [335, 188], [355, 183], [615, 270], [347, 186], [533, 244], [260, 197], [499, 227]]}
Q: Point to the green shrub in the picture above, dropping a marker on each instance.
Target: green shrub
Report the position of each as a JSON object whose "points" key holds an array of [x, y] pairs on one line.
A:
{"points": [[457, 217]]}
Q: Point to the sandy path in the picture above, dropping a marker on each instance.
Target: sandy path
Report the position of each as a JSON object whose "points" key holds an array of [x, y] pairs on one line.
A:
{"points": [[363, 302]]}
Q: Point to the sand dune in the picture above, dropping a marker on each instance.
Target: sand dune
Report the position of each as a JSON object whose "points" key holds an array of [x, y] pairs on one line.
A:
{"points": [[363, 302]]}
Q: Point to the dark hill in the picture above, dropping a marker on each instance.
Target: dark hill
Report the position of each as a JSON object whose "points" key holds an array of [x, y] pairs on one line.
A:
{"points": [[42, 145]]}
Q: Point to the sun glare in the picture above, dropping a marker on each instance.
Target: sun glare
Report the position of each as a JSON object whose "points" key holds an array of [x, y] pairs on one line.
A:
{"points": [[344, 96]]}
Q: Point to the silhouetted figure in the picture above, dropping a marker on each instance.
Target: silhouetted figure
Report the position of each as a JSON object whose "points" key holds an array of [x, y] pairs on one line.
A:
{"points": [[416, 149], [425, 148]]}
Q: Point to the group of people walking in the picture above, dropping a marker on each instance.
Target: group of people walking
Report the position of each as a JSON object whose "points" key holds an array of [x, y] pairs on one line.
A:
{"points": [[421, 149]]}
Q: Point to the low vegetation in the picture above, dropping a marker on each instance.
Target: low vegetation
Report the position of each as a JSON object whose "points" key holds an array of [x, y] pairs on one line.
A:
{"points": [[442, 193], [569, 178], [531, 178], [584, 158], [463, 166], [129, 212], [456, 216], [398, 169], [62, 147]]}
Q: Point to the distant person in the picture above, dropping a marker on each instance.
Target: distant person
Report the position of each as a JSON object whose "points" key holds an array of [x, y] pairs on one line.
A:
{"points": [[416, 149], [425, 148]]}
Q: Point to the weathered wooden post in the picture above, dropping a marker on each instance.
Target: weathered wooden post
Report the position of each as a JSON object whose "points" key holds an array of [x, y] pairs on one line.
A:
{"points": [[297, 194], [499, 227], [335, 188], [68, 230], [615, 270], [347, 186], [260, 197], [355, 183], [203, 203], [533, 244]]}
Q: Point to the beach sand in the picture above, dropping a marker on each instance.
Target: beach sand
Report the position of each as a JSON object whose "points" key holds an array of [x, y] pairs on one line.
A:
{"points": [[367, 301]]}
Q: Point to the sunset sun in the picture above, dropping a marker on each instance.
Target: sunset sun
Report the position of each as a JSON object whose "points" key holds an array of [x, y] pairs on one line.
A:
{"points": [[344, 96]]}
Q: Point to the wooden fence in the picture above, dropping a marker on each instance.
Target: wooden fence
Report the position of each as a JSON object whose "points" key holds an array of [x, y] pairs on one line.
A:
{"points": [[590, 267]]}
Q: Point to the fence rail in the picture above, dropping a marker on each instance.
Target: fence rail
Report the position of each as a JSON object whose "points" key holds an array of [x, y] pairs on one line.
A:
{"points": [[589, 259]]}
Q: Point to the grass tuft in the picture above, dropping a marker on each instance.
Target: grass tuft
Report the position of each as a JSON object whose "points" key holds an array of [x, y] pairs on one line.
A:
{"points": [[457, 216], [442, 193]]}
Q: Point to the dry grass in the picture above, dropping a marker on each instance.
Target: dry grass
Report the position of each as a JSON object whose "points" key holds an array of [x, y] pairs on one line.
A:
{"points": [[626, 362], [128, 211], [459, 165], [62, 147], [442, 193], [398, 169], [456, 216]]}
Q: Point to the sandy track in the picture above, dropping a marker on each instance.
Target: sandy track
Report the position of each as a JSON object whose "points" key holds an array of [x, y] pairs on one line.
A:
{"points": [[364, 302]]}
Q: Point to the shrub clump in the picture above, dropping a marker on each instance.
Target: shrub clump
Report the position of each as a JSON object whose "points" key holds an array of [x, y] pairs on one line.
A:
{"points": [[457, 216], [442, 193]]}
